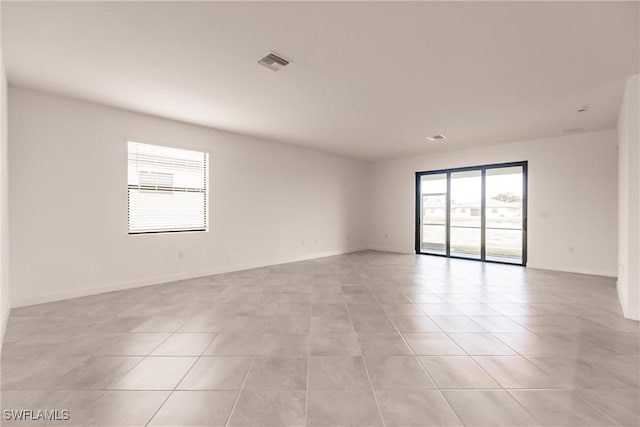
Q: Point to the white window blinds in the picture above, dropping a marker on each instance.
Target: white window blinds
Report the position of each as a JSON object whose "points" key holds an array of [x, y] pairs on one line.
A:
{"points": [[167, 189]]}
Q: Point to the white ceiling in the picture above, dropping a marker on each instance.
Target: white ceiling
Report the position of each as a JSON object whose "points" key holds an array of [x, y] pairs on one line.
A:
{"points": [[369, 80]]}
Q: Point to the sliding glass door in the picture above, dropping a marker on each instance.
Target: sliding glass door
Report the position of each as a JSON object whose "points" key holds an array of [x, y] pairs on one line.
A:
{"points": [[504, 219], [476, 212], [433, 210], [465, 208]]}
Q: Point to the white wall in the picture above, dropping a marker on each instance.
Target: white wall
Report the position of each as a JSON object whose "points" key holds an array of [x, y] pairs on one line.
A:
{"points": [[629, 200], [4, 205], [68, 230], [572, 198], [269, 203]]}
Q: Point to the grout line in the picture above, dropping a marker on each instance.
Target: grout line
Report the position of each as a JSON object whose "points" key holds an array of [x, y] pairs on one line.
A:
{"points": [[484, 370], [142, 358], [366, 369], [375, 269], [416, 356], [244, 380], [181, 379], [173, 390], [472, 357], [306, 395]]}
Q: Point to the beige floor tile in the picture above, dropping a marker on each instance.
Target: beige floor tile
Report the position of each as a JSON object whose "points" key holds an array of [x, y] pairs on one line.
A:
{"points": [[155, 373], [125, 408], [541, 344], [277, 373], [621, 405], [481, 344], [387, 343], [235, 344], [428, 344], [488, 408], [138, 344], [581, 372], [475, 309], [560, 408], [457, 372], [37, 373], [371, 322], [284, 345], [269, 408], [98, 372], [337, 373], [517, 372], [415, 408], [329, 309], [342, 408], [204, 335], [195, 408], [184, 344], [334, 345], [439, 309], [216, 373], [551, 323], [331, 324], [287, 324], [422, 298], [161, 324], [456, 324], [498, 324], [402, 309], [414, 324], [397, 373]]}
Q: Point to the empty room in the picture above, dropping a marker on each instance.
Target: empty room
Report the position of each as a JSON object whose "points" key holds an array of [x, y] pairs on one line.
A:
{"points": [[331, 214]]}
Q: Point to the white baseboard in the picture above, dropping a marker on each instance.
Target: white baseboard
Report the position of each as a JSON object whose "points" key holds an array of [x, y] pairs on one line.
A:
{"points": [[391, 249], [94, 290], [593, 272], [622, 297], [5, 321], [589, 271]]}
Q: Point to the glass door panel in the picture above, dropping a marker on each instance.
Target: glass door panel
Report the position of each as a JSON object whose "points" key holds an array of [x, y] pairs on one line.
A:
{"points": [[504, 214], [465, 213], [475, 212], [433, 218]]}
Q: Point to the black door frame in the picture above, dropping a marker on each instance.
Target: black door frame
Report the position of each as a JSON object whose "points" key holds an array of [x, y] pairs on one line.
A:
{"points": [[483, 171]]}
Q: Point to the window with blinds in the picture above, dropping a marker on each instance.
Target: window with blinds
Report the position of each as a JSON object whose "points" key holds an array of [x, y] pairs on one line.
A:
{"points": [[167, 189]]}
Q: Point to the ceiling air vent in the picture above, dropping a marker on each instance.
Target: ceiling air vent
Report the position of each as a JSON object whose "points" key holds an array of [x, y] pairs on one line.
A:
{"points": [[273, 62]]}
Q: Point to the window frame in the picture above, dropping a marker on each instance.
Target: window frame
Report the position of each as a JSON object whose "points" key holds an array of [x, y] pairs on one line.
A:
{"points": [[483, 168], [205, 192]]}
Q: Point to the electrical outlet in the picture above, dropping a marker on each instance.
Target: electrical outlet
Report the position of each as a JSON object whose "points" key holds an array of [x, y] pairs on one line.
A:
{"points": [[180, 254]]}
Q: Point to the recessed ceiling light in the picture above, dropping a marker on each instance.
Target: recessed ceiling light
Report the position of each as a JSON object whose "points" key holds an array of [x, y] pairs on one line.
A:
{"points": [[438, 137], [582, 109]]}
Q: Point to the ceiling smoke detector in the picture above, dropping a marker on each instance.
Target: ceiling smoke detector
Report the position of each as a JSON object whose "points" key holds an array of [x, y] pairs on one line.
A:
{"points": [[582, 109], [273, 62], [438, 137]]}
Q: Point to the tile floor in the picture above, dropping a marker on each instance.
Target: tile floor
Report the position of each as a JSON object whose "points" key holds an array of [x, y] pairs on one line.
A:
{"points": [[363, 339]]}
